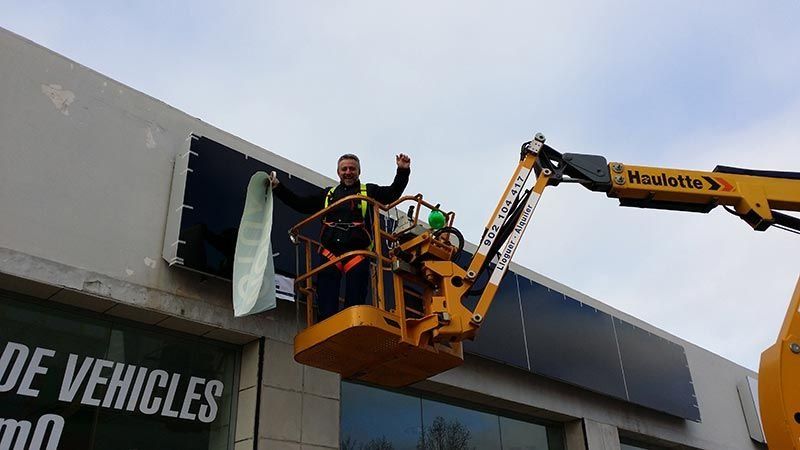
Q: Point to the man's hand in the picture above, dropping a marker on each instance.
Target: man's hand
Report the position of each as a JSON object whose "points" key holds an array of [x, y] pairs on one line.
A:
{"points": [[272, 179], [403, 161]]}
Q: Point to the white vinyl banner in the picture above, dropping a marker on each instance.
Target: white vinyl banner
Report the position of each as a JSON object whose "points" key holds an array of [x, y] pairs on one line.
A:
{"points": [[253, 268], [284, 288]]}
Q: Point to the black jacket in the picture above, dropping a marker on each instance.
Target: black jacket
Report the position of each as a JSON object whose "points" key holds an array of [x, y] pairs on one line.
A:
{"points": [[339, 240]]}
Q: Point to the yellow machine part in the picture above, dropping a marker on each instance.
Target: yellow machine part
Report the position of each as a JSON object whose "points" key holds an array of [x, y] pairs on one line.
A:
{"points": [[365, 343], [779, 383]]}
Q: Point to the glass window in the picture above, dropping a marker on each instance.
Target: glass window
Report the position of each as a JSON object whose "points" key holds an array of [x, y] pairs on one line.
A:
{"points": [[375, 419], [448, 427], [99, 382], [519, 435]]}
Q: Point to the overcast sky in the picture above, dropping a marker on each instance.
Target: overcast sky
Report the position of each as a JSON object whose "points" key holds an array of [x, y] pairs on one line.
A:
{"points": [[459, 85]]}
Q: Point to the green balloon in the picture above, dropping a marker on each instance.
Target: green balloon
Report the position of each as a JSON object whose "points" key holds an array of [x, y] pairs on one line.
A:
{"points": [[436, 219]]}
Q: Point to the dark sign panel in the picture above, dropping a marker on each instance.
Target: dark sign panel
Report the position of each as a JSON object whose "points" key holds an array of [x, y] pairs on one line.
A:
{"points": [[216, 186], [570, 341], [656, 371], [501, 336]]}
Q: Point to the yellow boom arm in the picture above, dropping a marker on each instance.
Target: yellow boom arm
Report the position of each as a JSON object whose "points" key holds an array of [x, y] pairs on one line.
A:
{"points": [[756, 196]]}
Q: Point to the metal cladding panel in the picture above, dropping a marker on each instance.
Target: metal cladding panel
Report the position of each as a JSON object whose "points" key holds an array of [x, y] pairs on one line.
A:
{"points": [[172, 232], [214, 200], [501, 335], [656, 372], [570, 341]]}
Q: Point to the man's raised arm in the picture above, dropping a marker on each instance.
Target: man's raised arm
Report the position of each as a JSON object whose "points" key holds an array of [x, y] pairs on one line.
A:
{"points": [[388, 194], [300, 203]]}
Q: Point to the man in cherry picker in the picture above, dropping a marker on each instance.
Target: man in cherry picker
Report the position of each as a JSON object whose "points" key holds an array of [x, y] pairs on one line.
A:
{"points": [[345, 228]]}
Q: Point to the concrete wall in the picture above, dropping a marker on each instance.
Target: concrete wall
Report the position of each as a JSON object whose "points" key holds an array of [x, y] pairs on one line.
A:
{"points": [[85, 173]]}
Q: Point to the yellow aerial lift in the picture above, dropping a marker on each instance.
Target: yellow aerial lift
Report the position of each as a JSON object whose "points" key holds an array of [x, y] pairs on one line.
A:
{"points": [[414, 327]]}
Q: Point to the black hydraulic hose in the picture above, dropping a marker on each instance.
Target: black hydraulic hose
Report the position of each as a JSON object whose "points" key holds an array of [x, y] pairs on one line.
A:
{"points": [[502, 236], [780, 220], [786, 220], [455, 231], [508, 226]]}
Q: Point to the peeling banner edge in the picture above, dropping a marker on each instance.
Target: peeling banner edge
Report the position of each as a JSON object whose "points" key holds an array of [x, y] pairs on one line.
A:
{"points": [[254, 286]]}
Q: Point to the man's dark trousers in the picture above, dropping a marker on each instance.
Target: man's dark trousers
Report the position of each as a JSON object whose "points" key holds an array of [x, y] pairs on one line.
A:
{"points": [[328, 282]]}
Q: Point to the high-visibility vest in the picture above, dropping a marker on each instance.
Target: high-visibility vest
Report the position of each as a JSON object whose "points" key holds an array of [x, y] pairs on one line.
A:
{"points": [[363, 205]]}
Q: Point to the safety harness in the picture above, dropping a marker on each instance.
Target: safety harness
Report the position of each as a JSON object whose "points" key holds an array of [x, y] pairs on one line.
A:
{"points": [[355, 260], [363, 205]]}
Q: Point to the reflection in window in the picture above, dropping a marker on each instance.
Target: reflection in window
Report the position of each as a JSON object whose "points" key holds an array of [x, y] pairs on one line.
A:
{"points": [[445, 434], [452, 427], [374, 419], [519, 435]]}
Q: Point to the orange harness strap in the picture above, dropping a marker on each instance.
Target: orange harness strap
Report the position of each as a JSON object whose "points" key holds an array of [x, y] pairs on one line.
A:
{"points": [[344, 268]]}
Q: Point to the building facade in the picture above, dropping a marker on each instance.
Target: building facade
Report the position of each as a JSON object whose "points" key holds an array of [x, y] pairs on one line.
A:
{"points": [[117, 220]]}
